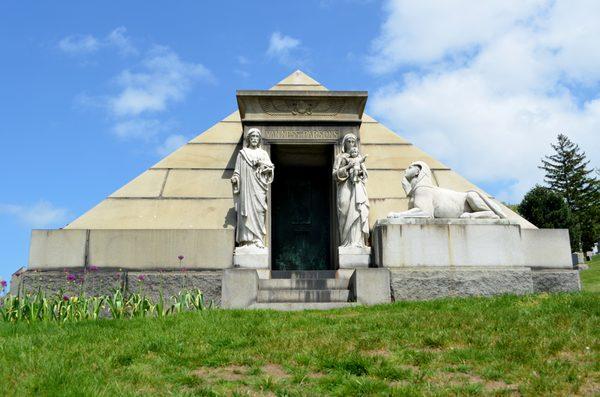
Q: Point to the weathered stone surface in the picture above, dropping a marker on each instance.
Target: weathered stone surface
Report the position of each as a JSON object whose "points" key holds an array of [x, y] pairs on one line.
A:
{"points": [[378, 133], [198, 184], [384, 184], [303, 106], [217, 213], [222, 132], [51, 249], [160, 249], [415, 242], [251, 257], [298, 78], [381, 207], [148, 184], [354, 257], [92, 283], [106, 281], [240, 288], [371, 286], [298, 295], [396, 157], [213, 156], [423, 284], [556, 281], [547, 248], [172, 282], [296, 306]]}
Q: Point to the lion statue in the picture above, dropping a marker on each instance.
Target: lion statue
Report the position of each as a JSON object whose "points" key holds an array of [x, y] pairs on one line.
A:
{"points": [[428, 201]]}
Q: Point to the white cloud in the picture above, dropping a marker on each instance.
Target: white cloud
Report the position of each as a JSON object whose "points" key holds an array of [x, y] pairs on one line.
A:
{"points": [[43, 214], [162, 78], [281, 47], [172, 143], [487, 86], [138, 128], [119, 39], [79, 44]]}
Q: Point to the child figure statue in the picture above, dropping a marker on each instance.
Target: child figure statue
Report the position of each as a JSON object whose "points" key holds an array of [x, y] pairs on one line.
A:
{"points": [[356, 167]]}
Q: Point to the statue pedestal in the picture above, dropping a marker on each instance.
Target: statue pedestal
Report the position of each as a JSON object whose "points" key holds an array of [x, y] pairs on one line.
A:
{"points": [[435, 258], [251, 257], [354, 257]]}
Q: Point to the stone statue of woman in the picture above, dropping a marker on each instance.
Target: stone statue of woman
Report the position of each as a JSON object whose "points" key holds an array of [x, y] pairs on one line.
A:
{"points": [[251, 178], [350, 174]]}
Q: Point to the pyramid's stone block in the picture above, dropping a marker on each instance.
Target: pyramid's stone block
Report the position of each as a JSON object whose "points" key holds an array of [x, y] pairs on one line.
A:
{"points": [[230, 132], [216, 213], [384, 184], [198, 183], [396, 157], [215, 156], [547, 248], [378, 133], [57, 249], [160, 249], [148, 184]]}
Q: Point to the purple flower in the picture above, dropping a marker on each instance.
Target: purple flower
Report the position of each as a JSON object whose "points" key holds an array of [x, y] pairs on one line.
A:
{"points": [[66, 297], [3, 284], [180, 257], [70, 277], [93, 268], [141, 277], [183, 269]]}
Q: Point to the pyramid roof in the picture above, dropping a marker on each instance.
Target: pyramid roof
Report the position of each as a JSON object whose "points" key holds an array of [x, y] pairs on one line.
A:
{"points": [[190, 188]]}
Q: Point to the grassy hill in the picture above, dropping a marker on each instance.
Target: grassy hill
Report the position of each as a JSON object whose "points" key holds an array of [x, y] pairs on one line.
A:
{"points": [[532, 345]]}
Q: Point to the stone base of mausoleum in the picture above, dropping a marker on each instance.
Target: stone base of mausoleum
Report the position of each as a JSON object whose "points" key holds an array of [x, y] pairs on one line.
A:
{"points": [[151, 283], [432, 283], [553, 280]]}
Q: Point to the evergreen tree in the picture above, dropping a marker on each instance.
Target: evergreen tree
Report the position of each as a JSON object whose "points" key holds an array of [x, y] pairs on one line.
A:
{"points": [[547, 209], [567, 173]]}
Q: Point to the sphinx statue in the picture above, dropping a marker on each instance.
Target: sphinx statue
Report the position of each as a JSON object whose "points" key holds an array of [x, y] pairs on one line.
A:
{"points": [[428, 201]]}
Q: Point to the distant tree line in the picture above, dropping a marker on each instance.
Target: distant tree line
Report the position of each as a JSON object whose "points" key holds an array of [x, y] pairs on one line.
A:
{"points": [[571, 197]]}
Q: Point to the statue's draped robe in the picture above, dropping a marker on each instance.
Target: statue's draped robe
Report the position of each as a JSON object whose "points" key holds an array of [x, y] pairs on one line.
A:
{"points": [[251, 202], [352, 205]]}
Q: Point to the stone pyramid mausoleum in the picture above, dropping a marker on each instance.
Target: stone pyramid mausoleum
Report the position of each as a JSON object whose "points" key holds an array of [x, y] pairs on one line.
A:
{"points": [[195, 178], [286, 203]]}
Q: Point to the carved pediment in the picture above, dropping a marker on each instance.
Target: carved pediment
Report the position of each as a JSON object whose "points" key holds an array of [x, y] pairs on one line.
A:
{"points": [[273, 105]]}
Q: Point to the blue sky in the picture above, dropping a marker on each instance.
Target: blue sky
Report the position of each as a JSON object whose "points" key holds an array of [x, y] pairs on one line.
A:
{"points": [[92, 94]]}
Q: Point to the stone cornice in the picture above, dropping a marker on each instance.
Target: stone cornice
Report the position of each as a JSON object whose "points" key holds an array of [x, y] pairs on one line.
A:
{"points": [[301, 106]]}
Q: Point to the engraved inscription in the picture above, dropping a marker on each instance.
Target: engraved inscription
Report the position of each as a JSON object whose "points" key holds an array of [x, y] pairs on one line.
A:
{"points": [[299, 134]]}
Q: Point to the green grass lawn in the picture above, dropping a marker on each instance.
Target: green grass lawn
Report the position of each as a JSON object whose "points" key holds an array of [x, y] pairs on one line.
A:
{"points": [[533, 345], [590, 278]]}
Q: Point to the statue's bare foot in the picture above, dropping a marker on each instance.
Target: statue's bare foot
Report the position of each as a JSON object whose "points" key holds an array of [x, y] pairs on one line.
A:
{"points": [[258, 244]]}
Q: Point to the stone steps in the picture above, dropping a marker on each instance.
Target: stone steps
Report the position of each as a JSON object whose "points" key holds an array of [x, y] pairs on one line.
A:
{"points": [[304, 283], [300, 290], [303, 295], [294, 306]]}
